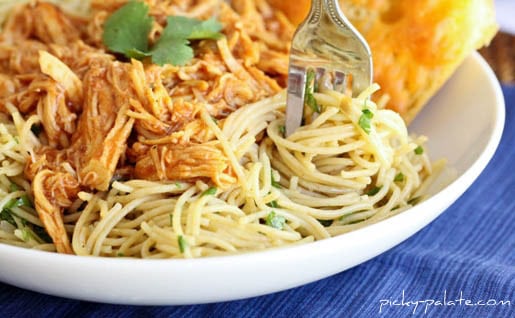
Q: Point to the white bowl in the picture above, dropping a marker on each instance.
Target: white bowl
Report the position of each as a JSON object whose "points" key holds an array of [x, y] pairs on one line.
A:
{"points": [[464, 124]]}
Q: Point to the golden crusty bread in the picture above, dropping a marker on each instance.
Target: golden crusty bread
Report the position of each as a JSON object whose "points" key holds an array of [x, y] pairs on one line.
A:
{"points": [[416, 45]]}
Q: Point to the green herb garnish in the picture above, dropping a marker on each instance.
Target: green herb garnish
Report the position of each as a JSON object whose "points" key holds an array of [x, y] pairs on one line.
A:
{"points": [[275, 184], [309, 98], [273, 204], [13, 187], [182, 243], [26, 235], [419, 150], [5, 215], [399, 177], [365, 120], [326, 223], [282, 129], [18, 202], [127, 30], [374, 191], [275, 221], [210, 191]]}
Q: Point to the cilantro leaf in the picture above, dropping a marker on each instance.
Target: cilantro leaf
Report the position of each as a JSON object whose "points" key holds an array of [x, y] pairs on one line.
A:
{"points": [[137, 54], [179, 27], [173, 45], [209, 29], [174, 51], [126, 30], [191, 29]]}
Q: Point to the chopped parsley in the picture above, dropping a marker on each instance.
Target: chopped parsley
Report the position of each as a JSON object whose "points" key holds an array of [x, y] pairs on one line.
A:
{"points": [[26, 235], [399, 177], [275, 221], [182, 243], [365, 120], [127, 30], [419, 150], [326, 223], [210, 191], [374, 191], [282, 129], [273, 204], [275, 184], [309, 98], [18, 202], [13, 187], [5, 215]]}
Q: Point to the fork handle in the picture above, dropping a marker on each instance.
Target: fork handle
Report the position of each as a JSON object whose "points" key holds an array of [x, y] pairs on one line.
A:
{"points": [[331, 8]]}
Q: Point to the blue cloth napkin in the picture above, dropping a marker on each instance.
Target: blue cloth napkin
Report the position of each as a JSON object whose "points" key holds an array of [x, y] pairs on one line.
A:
{"points": [[461, 265]]}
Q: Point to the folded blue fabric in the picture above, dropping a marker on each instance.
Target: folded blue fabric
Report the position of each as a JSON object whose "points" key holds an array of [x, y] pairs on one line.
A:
{"points": [[462, 265]]}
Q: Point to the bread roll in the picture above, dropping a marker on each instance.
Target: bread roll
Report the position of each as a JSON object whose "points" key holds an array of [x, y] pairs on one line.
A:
{"points": [[416, 45]]}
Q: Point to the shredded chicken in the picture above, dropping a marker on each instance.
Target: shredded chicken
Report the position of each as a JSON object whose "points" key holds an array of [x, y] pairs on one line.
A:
{"points": [[185, 162], [53, 192], [100, 116]]}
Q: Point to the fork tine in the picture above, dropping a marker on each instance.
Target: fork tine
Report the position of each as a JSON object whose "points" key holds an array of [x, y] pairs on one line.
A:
{"points": [[328, 44], [295, 98], [340, 81], [320, 73]]}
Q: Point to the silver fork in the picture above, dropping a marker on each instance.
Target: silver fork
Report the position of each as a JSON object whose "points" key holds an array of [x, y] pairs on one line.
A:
{"points": [[327, 44]]}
